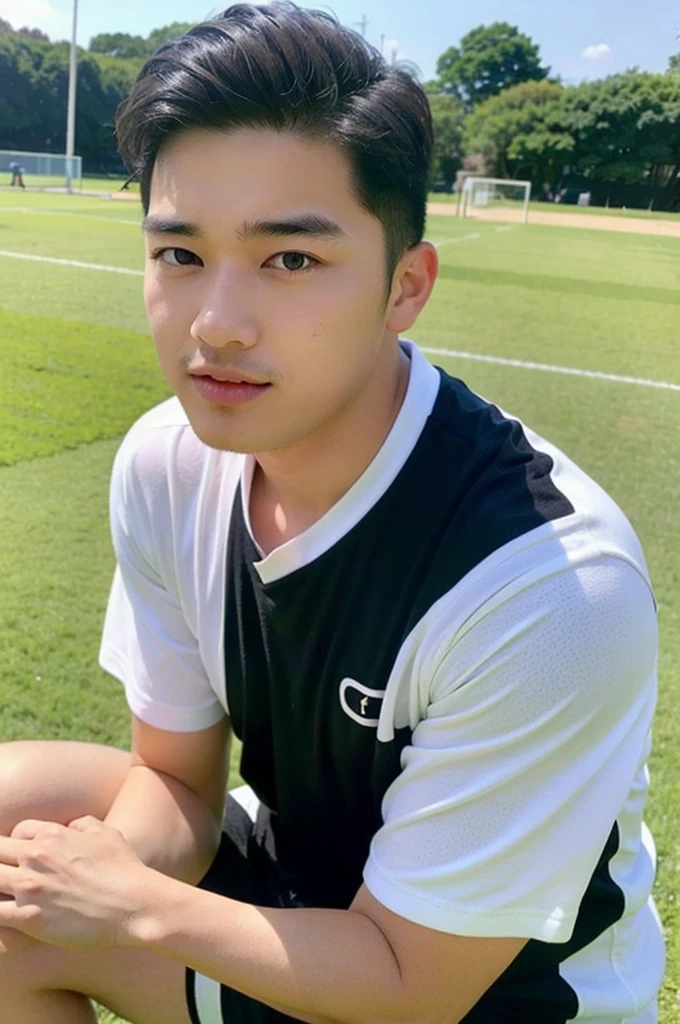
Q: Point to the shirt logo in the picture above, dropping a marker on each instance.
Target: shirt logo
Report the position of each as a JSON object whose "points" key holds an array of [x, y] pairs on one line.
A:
{"points": [[362, 704]]}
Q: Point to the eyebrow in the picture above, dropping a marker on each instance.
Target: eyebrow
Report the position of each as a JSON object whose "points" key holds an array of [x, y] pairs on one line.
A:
{"points": [[168, 226], [311, 224]]}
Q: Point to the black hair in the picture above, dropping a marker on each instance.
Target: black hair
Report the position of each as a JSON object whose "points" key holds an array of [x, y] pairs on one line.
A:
{"points": [[289, 69]]}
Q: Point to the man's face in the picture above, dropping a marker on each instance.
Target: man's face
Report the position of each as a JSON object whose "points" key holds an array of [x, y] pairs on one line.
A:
{"points": [[265, 285]]}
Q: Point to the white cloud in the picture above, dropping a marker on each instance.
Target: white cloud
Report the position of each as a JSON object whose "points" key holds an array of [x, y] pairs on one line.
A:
{"points": [[34, 14], [597, 51]]}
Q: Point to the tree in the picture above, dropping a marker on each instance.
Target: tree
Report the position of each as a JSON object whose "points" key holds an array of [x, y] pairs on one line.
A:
{"points": [[34, 33], [626, 127], [674, 62], [28, 33], [519, 133], [489, 59], [448, 115], [163, 35], [119, 44], [21, 91], [33, 99]]}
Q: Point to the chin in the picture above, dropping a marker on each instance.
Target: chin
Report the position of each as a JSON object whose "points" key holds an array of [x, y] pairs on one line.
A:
{"points": [[223, 431]]}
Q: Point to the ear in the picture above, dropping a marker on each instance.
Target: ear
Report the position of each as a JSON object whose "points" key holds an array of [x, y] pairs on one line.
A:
{"points": [[412, 286]]}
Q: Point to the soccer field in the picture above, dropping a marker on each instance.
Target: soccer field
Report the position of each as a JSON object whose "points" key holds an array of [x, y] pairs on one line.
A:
{"points": [[573, 331]]}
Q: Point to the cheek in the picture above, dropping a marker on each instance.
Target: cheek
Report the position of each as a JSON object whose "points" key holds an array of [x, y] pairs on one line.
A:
{"points": [[164, 308], [348, 302], [153, 297]]}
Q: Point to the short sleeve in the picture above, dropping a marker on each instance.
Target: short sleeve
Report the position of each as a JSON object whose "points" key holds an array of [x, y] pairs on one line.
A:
{"points": [[538, 726], [147, 643]]}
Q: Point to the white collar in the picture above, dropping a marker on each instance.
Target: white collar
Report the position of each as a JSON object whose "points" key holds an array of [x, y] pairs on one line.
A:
{"points": [[421, 393]]}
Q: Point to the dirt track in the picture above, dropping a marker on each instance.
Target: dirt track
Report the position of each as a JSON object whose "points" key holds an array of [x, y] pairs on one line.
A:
{"points": [[593, 221]]}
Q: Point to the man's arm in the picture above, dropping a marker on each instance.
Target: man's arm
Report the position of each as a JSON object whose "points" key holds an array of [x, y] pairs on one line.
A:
{"points": [[170, 806], [364, 965]]}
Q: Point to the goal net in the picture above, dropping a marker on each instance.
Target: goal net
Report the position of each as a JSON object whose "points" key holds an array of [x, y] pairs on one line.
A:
{"points": [[496, 199], [41, 170]]}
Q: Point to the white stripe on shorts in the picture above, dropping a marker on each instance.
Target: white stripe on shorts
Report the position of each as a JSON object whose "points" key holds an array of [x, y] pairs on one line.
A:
{"points": [[208, 1002], [207, 990]]}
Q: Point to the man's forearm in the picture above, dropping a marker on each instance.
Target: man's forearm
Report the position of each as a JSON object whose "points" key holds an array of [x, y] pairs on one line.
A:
{"points": [[322, 966], [169, 827]]}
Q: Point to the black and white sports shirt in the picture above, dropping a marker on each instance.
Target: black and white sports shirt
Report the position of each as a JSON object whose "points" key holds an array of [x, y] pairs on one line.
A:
{"points": [[444, 687]]}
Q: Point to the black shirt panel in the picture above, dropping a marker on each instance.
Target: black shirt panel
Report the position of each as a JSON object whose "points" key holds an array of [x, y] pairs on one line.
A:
{"points": [[471, 484]]}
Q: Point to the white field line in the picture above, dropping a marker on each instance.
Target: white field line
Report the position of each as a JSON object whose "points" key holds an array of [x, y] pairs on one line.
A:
{"points": [[460, 238], [69, 213], [468, 238], [547, 368], [69, 263]]}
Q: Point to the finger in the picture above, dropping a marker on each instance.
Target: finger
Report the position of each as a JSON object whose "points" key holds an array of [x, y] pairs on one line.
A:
{"points": [[9, 851], [8, 878], [87, 823], [31, 828], [8, 913]]}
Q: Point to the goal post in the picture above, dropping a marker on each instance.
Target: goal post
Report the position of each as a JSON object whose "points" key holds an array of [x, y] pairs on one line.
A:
{"points": [[41, 170], [496, 198]]}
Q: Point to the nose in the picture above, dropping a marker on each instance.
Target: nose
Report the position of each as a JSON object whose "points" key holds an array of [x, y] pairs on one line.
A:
{"points": [[226, 314]]}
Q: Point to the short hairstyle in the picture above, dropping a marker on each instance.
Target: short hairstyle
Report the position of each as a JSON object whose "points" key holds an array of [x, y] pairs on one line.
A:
{"points": [[289, 69]]}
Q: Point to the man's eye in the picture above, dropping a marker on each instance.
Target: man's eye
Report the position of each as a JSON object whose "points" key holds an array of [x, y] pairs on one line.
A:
{"points": [[175, 257], [293, 262]]}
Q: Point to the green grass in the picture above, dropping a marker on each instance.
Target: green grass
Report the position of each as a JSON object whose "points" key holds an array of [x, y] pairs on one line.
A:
{"points": [[78, 368]]}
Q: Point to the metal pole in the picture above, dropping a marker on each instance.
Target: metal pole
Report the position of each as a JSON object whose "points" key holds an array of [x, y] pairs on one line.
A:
{"points": [[71, 117]]}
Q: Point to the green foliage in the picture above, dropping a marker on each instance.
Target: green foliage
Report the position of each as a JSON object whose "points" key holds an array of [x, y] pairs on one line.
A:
{"points": [[626, 127], [622, 128], [448, 115], [488, 60], [119, 44], [518, 132], [27, 33], [33, 99], [34, 88], [163, 35]]}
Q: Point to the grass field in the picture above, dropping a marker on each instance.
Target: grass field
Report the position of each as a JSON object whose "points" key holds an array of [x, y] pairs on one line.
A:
{"points": [[78, 368]]}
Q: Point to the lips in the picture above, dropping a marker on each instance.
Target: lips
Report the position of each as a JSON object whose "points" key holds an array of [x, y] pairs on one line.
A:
{"points": [[228, 377], [226, 390]]}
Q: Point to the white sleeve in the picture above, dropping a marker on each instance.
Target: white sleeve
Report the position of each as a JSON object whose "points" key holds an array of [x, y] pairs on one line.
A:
{"points": [[147, 643], [538, 724]]}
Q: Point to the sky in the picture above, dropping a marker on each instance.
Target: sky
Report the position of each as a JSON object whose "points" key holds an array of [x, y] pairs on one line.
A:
{"points": [[579, 40]]}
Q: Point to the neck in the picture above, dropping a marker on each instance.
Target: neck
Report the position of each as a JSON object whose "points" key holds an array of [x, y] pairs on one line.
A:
{"points": [[294, 487]]}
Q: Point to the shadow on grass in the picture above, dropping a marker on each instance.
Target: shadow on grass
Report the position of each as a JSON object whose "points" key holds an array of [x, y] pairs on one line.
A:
{"points": [[489, 277]]}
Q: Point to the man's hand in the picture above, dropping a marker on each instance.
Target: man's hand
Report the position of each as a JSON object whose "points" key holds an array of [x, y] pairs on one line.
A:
{"points": [[74, 886]]}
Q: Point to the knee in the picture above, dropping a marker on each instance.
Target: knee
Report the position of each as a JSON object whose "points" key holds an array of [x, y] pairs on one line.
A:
{"points": [[17, 776], [57, 780]]}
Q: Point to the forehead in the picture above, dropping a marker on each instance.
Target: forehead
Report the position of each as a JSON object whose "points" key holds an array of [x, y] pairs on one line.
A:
{"points": [[246, 174]]}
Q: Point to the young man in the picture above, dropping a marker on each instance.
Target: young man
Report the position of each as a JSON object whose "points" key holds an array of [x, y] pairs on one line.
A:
{"points": [[433, 633]]}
